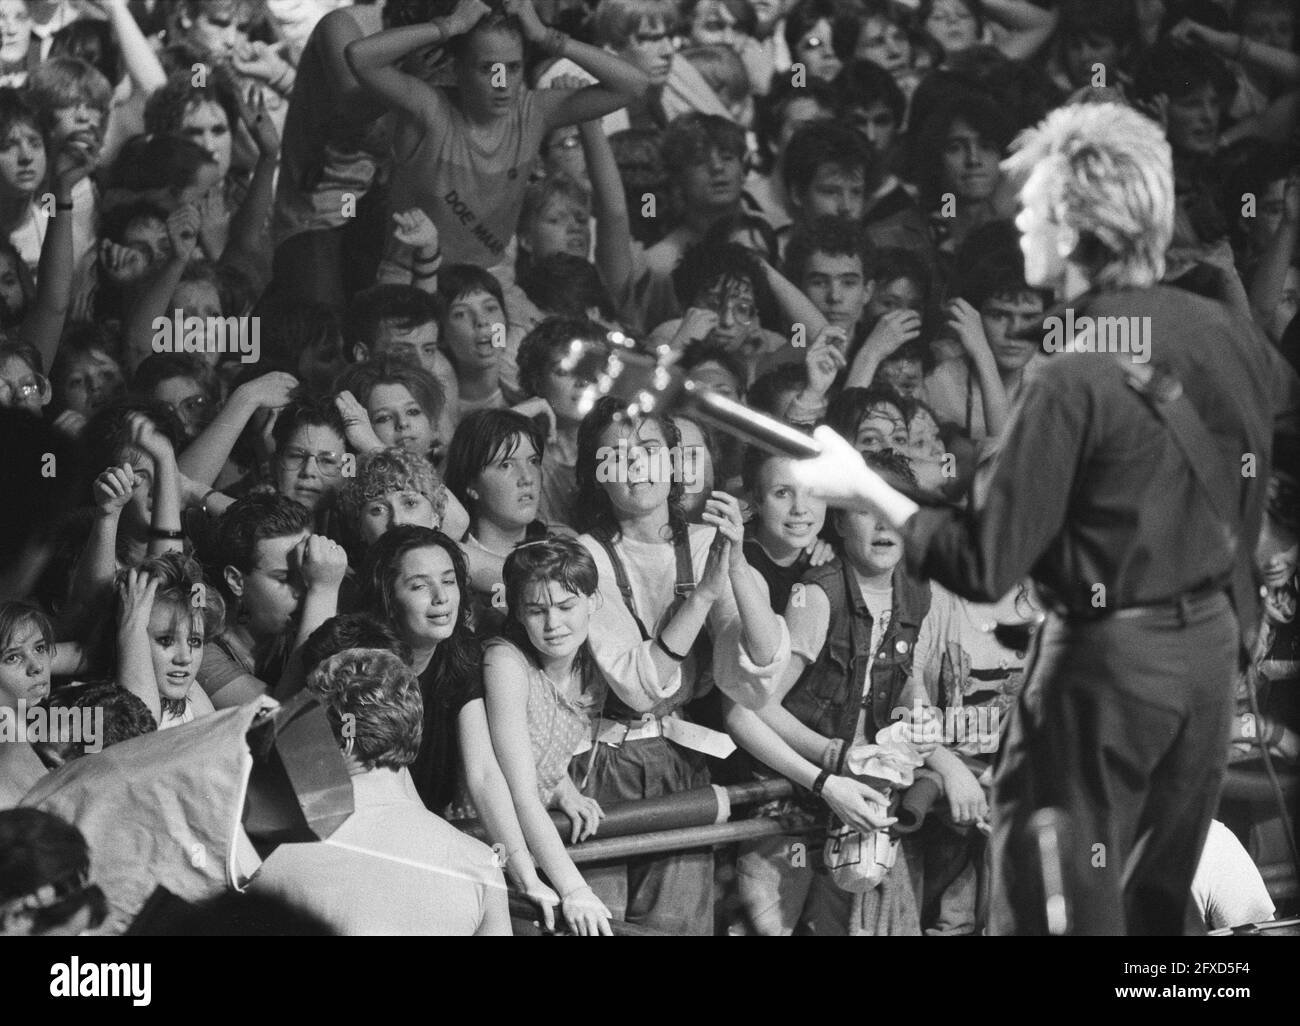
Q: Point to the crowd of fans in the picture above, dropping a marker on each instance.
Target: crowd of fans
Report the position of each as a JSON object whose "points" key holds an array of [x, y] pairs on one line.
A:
{"points": [[303, 307]]}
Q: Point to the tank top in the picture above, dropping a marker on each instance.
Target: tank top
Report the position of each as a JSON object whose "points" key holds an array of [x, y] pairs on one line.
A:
{"points": [[557, 724]]}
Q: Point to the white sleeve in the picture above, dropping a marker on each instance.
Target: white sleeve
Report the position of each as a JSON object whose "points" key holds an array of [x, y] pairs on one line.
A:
{"points": [[734, 671]]}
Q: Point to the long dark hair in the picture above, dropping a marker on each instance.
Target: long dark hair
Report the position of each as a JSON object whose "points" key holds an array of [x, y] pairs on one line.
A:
{"points": [[455, 661], [594, 512]]}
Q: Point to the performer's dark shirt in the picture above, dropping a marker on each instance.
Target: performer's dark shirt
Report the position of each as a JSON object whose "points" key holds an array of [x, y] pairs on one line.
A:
{"points": [[1091, 489]]}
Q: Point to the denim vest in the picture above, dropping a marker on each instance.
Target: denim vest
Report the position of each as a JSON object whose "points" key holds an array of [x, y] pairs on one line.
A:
{"points": [[829, 693]]}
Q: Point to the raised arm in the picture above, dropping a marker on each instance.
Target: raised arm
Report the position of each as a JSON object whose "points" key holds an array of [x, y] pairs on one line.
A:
{"points": [[134, 662], [1026, 27], [43, 325], [374, 59], [92, 579], [613, 226], [965, 321], [203, 459], [245, 237], [1282, 65], [151, 301], [1269, 280], [618, 82], [141, 63]]}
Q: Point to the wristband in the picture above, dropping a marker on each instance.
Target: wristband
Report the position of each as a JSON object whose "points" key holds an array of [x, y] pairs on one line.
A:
{"points": [[435, 259], [203, 502], [424, 276], [668, 651], [820, 782], [163, 534], [63, 207], [833, 756]]}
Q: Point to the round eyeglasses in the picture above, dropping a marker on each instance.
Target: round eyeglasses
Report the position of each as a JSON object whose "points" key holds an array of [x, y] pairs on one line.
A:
{"points": [[19, 393]]}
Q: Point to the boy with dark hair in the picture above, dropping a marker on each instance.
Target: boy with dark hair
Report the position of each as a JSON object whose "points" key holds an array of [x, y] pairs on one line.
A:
{"points": [[704, 158], [829, 171], [997, 318], [280, 583], [831, 261]]}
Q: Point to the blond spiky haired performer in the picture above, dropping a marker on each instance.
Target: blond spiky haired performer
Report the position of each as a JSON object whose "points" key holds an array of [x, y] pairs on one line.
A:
{"points": [[1119, 489]]}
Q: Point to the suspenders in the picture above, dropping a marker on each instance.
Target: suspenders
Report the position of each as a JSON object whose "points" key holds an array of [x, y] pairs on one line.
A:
{"points": [[685, 580]]}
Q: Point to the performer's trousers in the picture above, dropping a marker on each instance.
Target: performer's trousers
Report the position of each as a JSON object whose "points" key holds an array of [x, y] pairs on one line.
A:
{"points": [[1123, 727]]}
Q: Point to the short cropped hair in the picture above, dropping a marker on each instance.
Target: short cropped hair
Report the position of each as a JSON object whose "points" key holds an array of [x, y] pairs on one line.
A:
{"points": [[389, 470], [1110, 176], [552, 337], [405, 304], [374, 706], [363, 378], [249, 520], [825, 144], [834, 236], [617, 21], [566, 285], [691, 137], [307, 411], [351, 630], [165, 110]]}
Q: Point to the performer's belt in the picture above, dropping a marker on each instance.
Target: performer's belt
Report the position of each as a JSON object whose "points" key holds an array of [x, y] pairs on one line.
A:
{"points": [[617, 733], [1185, 606]]}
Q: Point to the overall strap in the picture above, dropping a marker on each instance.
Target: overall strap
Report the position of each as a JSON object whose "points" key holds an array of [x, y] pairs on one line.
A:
{"points": [[685, 571], [624, 585]]}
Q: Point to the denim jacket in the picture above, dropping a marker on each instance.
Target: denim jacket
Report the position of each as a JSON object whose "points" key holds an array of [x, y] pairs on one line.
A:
{"points": [[829, 693]]}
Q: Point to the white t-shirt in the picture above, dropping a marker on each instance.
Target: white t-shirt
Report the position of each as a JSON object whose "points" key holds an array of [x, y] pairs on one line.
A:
{"points": [[1227, 888]]}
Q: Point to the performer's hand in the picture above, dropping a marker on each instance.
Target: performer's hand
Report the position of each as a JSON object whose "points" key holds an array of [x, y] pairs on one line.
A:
{"points": [[840, 477]]}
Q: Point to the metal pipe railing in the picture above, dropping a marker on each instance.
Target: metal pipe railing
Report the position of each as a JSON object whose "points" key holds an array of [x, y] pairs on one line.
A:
{"points": [[701, 806]]}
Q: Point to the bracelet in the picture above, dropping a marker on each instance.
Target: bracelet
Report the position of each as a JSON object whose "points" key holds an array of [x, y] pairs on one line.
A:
{"points": [[63, 207], [820, 782], [203, 502], [668, 651], [435, 259], [511, 855], [424, 276], [163, 534], [834, 755]]}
